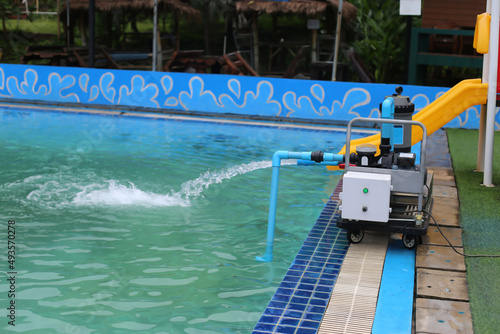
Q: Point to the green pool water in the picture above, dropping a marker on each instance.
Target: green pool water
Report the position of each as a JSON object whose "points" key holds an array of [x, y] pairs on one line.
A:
{"points": [[136, 225]]}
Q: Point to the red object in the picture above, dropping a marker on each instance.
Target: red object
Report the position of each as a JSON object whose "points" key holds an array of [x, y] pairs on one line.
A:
{"points": [[342, 166]]}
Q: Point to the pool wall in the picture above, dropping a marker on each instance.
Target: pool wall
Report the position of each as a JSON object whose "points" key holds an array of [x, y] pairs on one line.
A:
{"points": [[322, 101]]}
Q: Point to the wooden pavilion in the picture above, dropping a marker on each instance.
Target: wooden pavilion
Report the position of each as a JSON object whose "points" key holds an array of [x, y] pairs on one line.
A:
{"points": [[312, 9], [78, 10]]}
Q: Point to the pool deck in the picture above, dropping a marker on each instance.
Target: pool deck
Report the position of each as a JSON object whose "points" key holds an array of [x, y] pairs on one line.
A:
{"points": [[378, 286], [442, 298]]}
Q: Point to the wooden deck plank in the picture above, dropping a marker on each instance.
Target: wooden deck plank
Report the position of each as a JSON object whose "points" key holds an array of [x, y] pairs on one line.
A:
{"points": [[440, 284], [439, 257], [443, 316], [446, 211], [434, 237], [443, 176], [444, 191]]}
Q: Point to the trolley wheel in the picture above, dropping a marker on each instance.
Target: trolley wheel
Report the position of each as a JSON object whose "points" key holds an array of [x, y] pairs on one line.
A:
{"points": [[410, 241], [355, 236]]}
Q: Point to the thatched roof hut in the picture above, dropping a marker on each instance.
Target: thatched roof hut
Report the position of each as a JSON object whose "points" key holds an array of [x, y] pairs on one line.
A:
{"points": [[177, 6], [307, 7], [313, 9]]}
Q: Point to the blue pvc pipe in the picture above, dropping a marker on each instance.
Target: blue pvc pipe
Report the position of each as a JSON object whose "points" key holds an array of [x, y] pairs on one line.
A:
{"points": [[388, 113], [277, 157]]}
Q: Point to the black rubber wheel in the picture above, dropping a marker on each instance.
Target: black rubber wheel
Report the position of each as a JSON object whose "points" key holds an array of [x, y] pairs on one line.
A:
{"points": [[356, 236], [410, 241]]}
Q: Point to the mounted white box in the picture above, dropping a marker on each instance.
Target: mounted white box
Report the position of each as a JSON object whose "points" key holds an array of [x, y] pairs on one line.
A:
{"points": [[366, 196]]}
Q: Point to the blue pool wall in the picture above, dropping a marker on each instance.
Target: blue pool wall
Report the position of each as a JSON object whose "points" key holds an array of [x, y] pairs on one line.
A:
{"points": [[212, 93]]}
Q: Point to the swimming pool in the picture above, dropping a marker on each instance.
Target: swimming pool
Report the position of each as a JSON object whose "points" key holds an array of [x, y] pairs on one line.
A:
{"points": [[129, 224]]}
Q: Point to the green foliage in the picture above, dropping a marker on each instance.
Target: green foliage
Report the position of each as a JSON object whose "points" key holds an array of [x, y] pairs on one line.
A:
{"points": [[479, 219], [379, 38]]}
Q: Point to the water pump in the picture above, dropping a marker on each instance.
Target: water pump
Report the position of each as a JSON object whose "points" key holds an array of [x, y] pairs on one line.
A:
{"points": [[388, 191]]}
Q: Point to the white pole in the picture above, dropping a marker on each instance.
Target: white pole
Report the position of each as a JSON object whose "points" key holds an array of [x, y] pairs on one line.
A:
{"points": [[492, 92], [337, 42], [482, 119], [155, 36]]}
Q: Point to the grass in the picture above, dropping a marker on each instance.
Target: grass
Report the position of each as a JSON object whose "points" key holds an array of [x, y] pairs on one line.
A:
{"points": [[480, 220], [39, 25]]}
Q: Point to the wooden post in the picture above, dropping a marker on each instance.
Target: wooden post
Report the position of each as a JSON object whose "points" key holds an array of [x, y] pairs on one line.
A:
{"points": [[159, 58], [155, 35], [58, 22], [314, 46], [337, 42], [91, 33], [176, 27], [255, 31]]}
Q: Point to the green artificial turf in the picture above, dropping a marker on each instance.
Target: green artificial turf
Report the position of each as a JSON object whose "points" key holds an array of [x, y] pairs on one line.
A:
{"points": [[480, 220]]}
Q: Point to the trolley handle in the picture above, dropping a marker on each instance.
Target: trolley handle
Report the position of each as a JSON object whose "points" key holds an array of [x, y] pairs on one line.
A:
{"points": [[390, 121]]}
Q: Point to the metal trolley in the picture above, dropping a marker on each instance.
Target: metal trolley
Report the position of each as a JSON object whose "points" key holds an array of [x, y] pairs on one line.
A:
{"points": [[395, 199]]}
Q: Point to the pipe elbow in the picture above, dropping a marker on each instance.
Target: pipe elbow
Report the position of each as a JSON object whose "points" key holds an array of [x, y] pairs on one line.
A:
{"points": [[388, 108], [277, 156]]}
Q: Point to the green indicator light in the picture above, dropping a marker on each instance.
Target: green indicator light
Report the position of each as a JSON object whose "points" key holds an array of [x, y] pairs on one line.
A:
{"points": [[365, 190]]}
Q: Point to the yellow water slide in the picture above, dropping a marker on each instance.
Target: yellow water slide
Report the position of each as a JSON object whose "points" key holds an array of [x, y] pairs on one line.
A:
{"points": [[459, 98]]}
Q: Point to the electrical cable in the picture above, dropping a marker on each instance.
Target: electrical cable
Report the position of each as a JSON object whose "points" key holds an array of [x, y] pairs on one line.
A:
{"points": [[453, 247], [448, 241]]}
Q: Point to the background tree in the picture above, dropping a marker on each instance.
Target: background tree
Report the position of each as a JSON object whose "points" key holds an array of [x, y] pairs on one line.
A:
{"points": [[379, 38], [214, 15], [8, 8]]}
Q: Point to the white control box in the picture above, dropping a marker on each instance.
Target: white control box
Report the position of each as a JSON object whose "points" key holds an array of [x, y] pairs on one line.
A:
{"points": [[366, 196]]}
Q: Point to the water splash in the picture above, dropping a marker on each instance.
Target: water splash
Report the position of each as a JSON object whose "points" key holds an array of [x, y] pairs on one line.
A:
{"points": [[115, 193], [194, 188], [60, 192]]}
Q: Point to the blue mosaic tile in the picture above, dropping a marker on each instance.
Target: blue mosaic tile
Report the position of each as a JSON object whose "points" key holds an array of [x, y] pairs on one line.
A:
{"points": [[300, 301], [290, 285], [276, 304], [324, 288], [298, 307], [321, 295], [281, 298], [273, 311], [264, 327], [288, 278], [313, 316], [303, 293], [309, 287], [311, 275], [326, 282], [284, 291], [310, 324], [318, 302], [328, 276], [289, 322], [308, 280], [293, 314], [316, 309], [285, 329], [294, 273], [314, 269], [269, 320]]}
